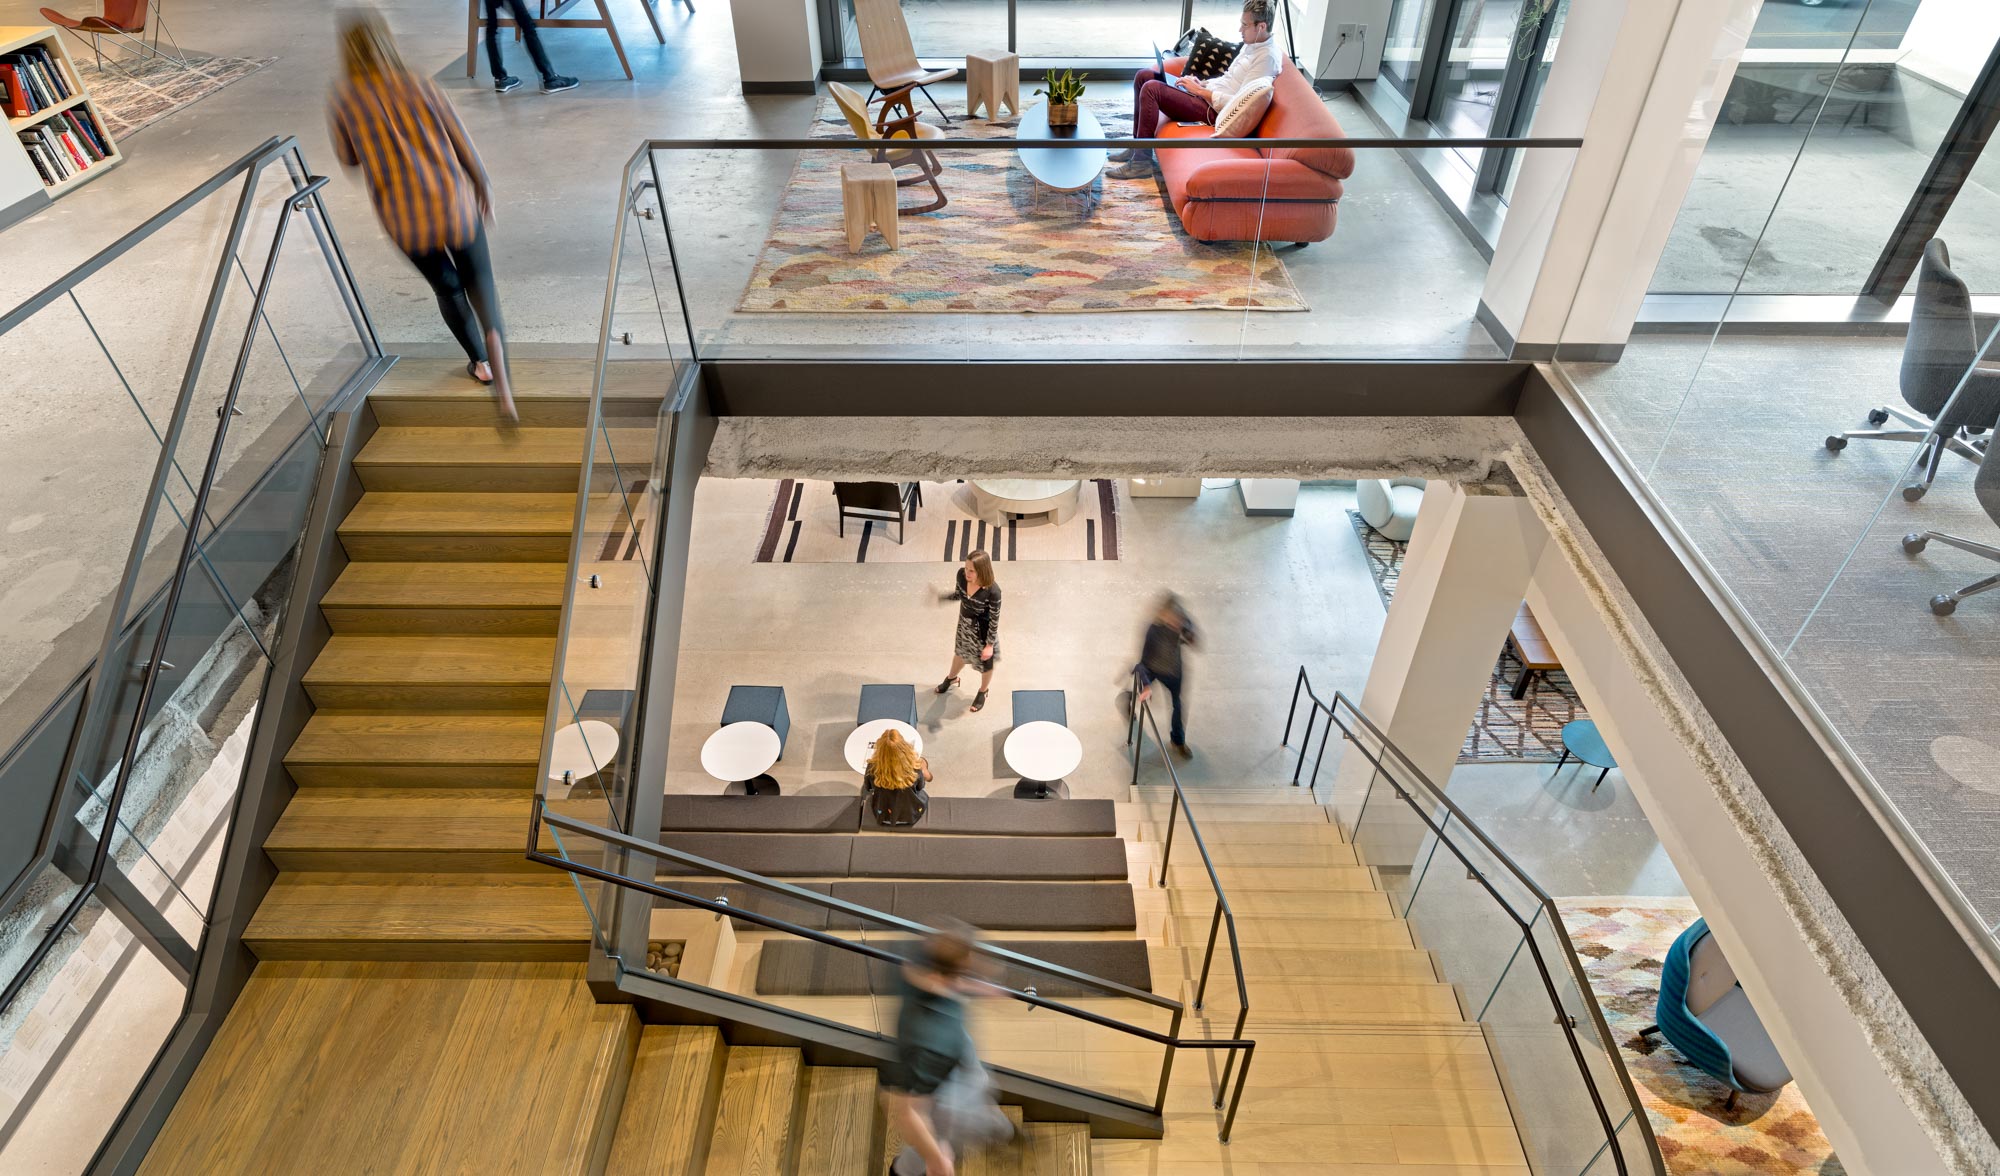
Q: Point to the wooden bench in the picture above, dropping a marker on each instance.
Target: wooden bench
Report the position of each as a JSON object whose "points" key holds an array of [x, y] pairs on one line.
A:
{"points": [[1529, 644]]}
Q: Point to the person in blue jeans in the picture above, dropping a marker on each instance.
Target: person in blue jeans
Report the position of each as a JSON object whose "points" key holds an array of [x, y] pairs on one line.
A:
{"points": [[1160, 663]]}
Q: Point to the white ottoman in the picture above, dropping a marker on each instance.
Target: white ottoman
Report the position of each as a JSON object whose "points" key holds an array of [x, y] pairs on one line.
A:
{"points": [[1390, 505]]}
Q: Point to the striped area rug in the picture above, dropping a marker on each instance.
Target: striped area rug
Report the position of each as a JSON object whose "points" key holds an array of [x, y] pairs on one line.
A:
{"points": [[803, 526]]}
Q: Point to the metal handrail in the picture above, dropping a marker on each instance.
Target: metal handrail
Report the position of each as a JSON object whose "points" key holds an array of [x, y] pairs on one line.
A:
{"points": [[1171, 1038], [1546, 908], [1135, 737], [1358, 143], [1304, 685]]}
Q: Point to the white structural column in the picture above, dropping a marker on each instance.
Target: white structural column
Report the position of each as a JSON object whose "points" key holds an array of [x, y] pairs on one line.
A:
{"points": [[1462, 580], [1798, 1000], [1640, 81], [777, 45]]}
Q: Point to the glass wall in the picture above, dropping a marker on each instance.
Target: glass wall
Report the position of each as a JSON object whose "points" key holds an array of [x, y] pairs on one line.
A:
{"points": [[1403, 43], [1831, 472]]}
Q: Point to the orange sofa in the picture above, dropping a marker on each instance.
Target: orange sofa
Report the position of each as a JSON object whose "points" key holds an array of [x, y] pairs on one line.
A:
{"points": [[1250, 194]]}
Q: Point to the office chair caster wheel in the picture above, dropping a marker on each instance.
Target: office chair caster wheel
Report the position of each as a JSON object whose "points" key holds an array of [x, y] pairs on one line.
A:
{"points": [[1836, 442], [1915, 541], [1912, 493], [1878, 416], [1943, 606]]}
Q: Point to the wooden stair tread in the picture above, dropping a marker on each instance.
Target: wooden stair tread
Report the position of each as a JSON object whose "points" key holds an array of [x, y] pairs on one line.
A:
{"points": [[434, 660], [526, 913], [487, 513], [1254, 931], [839, 1133], [1249, 878], [1313, 965], [342, 737], [670, 1102], [439, 819], [458, 446], [754, 1119], [425, 378], [453, 585], [1058, 1149]]}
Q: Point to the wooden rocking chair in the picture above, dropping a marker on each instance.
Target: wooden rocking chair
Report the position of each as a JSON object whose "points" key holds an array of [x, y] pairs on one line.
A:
{"points": [[886, 129]]}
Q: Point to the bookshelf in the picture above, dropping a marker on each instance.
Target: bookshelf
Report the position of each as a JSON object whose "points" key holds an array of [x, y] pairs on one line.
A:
{"points": [[24, 188]]}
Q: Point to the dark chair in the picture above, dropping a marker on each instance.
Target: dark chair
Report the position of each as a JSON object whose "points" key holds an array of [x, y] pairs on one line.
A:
{"points": [[759, 704], [1704, 1013], [1986, 486], [1939, 353], [887, 702], [878, 502], [1040, 706], [897, 807]]}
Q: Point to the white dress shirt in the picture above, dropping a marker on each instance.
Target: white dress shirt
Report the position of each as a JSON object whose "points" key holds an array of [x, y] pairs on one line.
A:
{"points": [[1255, 61]]}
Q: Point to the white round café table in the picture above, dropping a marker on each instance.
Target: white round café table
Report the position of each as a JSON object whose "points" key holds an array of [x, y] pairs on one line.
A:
{"points": [[583, 750], [740, 754], [993, 499], [1043, 753], [861, 741]]}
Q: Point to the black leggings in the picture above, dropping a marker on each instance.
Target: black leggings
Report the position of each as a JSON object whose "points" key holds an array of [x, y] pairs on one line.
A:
{"points": [[462, 277], [526, 23]]}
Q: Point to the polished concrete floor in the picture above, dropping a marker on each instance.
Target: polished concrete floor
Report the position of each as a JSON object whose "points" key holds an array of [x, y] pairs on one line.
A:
{"points": [[1731, 437]]}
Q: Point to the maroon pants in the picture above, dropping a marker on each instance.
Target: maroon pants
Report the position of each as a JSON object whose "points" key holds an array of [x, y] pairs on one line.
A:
{"points": [[1155, 101]]}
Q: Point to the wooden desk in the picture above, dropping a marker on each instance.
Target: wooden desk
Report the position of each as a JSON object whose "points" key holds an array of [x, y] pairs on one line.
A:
{"points": [[1529, 644]]}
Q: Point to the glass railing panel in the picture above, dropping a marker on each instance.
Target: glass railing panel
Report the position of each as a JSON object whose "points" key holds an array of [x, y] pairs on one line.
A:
{"points": [[1036, 250], [78, 1041]]}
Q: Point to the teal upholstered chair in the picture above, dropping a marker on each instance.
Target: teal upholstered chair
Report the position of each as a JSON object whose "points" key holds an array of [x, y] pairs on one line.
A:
{"points": [[1704, 1013]]}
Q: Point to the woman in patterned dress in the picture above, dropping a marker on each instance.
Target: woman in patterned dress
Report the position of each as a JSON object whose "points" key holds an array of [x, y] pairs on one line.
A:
{"points": [[978, 639]]}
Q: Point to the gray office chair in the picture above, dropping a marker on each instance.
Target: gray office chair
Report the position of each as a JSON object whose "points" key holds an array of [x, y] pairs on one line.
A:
{"points": [[1942, 344], [1987, 487]]}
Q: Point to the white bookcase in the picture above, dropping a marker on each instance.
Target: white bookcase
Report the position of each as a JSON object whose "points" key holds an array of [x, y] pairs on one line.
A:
{"points": [[22, 191]]}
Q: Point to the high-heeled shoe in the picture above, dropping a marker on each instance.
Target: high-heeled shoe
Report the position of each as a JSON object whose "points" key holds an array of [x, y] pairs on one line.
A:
{"points": [[946, 685], [472, 369], [979, 700]]}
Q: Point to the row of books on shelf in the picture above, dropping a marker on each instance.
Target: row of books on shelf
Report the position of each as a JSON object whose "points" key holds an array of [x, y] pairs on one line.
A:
{"points": [[66, 144], [32, 80]]}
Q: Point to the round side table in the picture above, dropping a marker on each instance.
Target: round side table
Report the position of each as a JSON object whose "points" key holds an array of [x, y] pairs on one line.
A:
{"points": [[1043, 753], [581, 750], [740, 754], [861, 741], [1581, 739]]}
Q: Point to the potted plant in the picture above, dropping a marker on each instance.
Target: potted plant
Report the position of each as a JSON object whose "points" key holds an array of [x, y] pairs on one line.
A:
{"points": [[1063, 90]]}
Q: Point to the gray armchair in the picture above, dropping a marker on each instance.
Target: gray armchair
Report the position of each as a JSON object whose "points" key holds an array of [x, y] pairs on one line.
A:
{"points": [[1942, 346], [1987, 487]]}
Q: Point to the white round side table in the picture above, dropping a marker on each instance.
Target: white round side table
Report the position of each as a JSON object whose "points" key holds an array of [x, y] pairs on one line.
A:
{"points": [[1043, 753], [861, 741], [740, 754], [993, 499], [581, 750]]}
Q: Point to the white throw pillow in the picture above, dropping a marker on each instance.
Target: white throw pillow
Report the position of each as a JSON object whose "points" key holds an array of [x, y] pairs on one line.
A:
{"points": [[1239, 119]]}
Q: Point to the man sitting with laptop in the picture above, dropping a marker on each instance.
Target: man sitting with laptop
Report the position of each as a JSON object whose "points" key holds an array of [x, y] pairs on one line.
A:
{"points": [[1159, 96]]}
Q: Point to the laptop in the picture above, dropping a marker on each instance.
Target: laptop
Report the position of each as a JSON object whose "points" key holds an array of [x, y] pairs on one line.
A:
{"points": [[1160, 63]]}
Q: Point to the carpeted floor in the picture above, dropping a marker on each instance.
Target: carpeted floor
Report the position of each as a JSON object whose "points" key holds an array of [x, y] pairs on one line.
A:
{"points": [[804, 527], [137, 94], [991, 250], [1527, 730], [1622, 943]]}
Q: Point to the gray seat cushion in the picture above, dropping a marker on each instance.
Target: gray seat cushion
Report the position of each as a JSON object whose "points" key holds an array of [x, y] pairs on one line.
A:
{"points": [[775, 855], [760, 814], [801, 968], [879, 701], [1040, 706], [751, 898], [1751, 1054], [1006, 815], [1004, 906], [914, 855]]}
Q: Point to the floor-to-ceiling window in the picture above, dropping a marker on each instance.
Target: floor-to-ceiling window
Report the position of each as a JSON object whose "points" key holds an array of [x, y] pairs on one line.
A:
{"points": [[1403, 46]]}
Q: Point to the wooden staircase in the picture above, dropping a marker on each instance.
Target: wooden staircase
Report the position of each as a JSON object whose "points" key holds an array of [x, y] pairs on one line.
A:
{"points": [[698, 1105]]}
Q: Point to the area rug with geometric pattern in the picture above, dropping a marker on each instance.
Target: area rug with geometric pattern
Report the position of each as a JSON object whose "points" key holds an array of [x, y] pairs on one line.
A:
{"points": [[1000, 247], [1507, 730], [1622, 944], [804, 526], [138, 93]]}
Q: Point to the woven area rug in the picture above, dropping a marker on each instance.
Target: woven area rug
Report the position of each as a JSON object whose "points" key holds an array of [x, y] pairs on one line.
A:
{"points": [[1623, 943], [990, 250], [1507, 730], [803, 526], [148, 91]]}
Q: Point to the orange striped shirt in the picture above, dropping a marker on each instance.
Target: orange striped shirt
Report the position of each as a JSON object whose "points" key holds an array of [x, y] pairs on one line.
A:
{"points": [[422, 172]]}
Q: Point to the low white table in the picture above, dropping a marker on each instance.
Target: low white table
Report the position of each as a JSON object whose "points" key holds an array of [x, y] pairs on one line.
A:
{"points": [[993, 499], [582, 750], [740, 754], [861, 741], [1043, 753]]}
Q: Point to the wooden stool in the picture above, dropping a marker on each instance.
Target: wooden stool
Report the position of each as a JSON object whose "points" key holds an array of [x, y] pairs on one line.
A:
{"points": [[992, 76], [868, 197]]}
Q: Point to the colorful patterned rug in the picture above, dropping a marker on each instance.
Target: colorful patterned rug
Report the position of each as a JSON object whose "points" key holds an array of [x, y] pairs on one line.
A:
{"points": [[803, 526], [991, 250], [1507, 730], [138, 94], [1622, 943]]}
